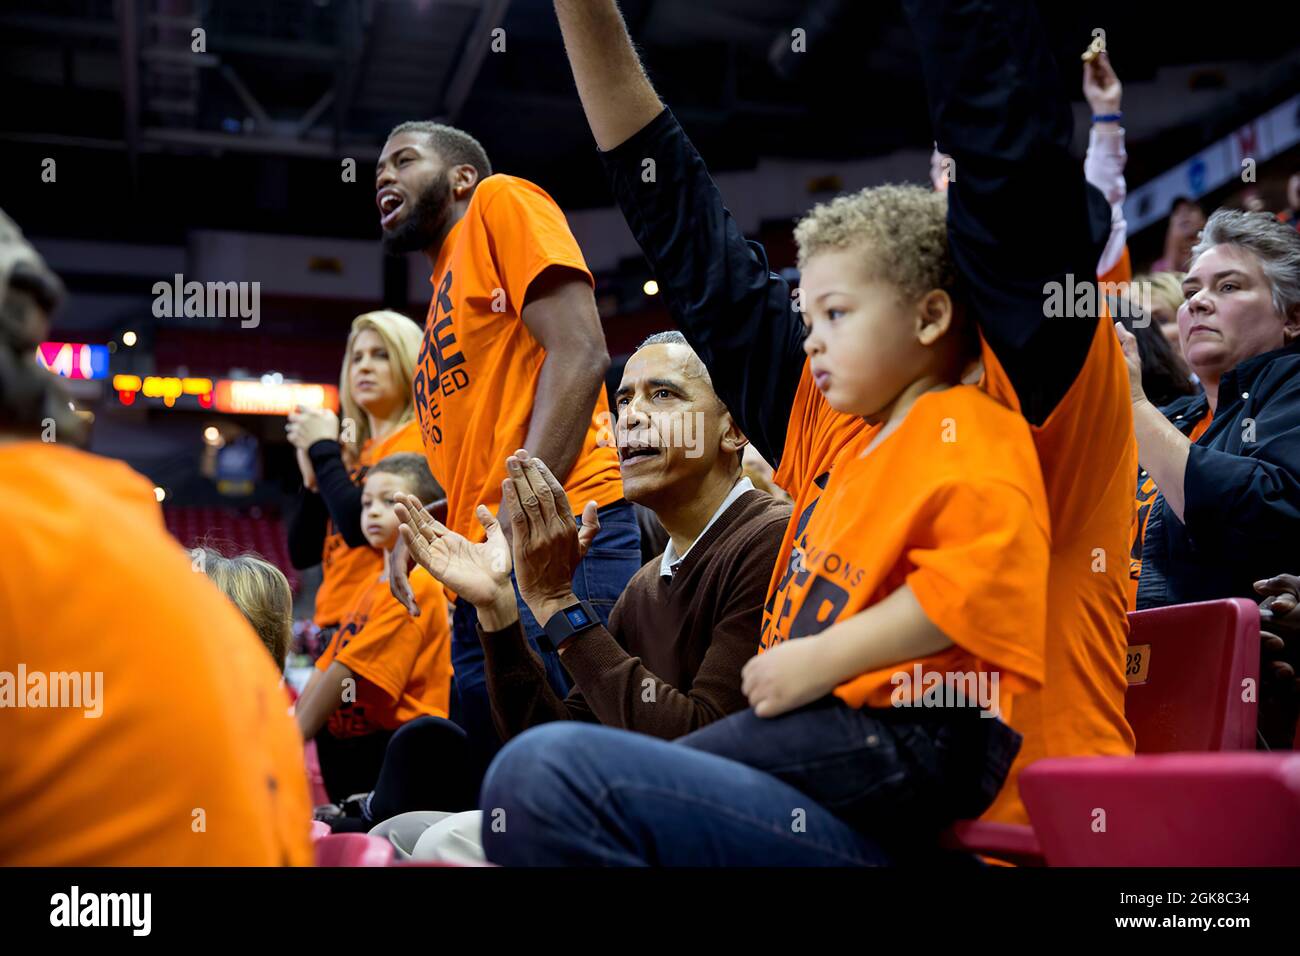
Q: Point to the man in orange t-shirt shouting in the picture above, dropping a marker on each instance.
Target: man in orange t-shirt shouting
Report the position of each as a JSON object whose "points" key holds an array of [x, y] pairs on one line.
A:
{"points": [[513, 357]]}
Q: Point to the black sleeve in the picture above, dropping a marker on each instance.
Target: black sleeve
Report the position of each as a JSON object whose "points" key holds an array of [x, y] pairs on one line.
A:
{"points": [[519, 694], [736, 313], [340, 493], [1246, 501], [1020, 214], [307, 530]]}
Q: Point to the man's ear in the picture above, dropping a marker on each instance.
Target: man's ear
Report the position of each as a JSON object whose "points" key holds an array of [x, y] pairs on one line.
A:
{"points": [[733, 440], [934, 315], [464, 178]]}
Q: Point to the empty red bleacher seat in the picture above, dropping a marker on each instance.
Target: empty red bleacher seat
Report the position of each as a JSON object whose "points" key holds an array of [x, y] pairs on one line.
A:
{"points": [[1199, 693], [1202, 686], [1221, 809]]}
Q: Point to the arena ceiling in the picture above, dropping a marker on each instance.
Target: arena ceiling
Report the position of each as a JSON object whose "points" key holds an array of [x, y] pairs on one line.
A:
{"points": [[153, 138]]}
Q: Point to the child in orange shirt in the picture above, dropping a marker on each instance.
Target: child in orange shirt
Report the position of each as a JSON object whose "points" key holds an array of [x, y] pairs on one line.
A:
{"points": [[383, 668], [918, 592]]}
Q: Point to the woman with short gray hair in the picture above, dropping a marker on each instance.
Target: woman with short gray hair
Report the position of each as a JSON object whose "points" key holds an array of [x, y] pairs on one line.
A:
{"points": [[1219, 490]]}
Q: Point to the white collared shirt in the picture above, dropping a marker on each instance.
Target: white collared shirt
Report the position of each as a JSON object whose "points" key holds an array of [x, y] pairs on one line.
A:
{"points": [[669, 561]]}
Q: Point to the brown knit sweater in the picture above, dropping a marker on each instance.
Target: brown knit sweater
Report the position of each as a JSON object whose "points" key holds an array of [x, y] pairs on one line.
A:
{"points": [[670, 662]]}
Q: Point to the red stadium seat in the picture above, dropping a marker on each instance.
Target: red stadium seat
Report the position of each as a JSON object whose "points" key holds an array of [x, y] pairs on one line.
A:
{"points": [[1199, 693], [1204, 659], [1224, 809], [319, 830], [353, 849]]}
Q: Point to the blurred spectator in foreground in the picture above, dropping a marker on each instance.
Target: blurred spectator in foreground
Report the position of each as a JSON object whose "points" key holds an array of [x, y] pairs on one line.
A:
{"points": [[168, 742]]}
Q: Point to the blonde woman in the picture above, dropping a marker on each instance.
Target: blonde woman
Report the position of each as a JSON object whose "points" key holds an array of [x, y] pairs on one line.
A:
{"points": [[378, 420], [261, 592], [1166, 297]]}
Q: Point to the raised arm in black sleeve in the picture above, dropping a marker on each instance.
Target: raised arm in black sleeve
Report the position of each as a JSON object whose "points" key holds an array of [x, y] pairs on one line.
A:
{"points": [[341, 495], [307, 530], [1020, 214], [736, 313]]}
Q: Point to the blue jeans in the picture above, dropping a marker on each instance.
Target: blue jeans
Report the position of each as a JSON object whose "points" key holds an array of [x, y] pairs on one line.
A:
{"points": [[600, 578], [825, 785]]}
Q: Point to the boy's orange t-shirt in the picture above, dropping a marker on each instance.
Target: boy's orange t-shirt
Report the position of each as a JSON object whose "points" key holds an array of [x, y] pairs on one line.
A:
{"points": [[479, 365], [346, 571], [950, 504], [1087, 455], [194, 759], [404, 661]]}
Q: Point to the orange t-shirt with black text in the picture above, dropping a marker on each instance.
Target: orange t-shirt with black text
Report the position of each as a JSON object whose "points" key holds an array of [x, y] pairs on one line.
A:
{"points": [[404, 661], [479, 365], [1088, 454], [950, 504], [347, 571], [193, 759], [816, 438]]}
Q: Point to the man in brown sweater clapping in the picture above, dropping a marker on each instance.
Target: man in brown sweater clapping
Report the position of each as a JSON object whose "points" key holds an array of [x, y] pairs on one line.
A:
{"points": [[678, 637]]}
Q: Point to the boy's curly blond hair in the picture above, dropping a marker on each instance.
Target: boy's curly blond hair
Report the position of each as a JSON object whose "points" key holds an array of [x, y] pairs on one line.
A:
{"points": [[903, 231]]}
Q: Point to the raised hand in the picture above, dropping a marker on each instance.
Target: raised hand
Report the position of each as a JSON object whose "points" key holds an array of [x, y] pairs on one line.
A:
{"points": [[306, 426], [478, 572], [1133, 359], [547, 543], [1101, 87], [397, 565]]}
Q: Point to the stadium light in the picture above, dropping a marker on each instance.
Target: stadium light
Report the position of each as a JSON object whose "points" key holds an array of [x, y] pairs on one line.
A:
{"points": [[254, 397], [128, 339], [651, 287]]}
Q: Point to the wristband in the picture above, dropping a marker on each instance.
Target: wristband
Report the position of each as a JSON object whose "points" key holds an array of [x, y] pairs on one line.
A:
{"points": [[1107, 117], [569, 622]]}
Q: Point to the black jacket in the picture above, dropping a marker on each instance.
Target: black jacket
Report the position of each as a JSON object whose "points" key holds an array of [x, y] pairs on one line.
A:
{"points": [[1241, 519]]}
